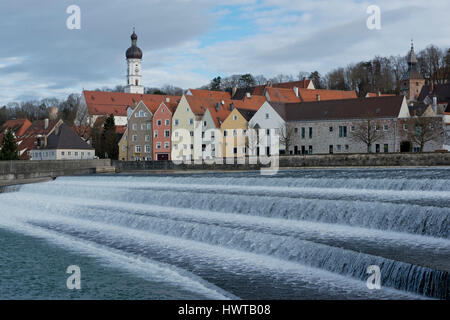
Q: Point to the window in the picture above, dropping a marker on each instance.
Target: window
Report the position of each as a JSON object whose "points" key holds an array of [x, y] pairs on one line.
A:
{"points": [[147, 148], [134, 126], [191, 121], [331, 129], [156, 133], [62, 153], [386, 127], [234, 133], [175, 146], [176, 122], [296, 130], [235, 117], [147, 138], [268, 132], [136, 115], [167, 122], [159, 122], [166, 145], [342, 131], [158, 145], [331, 149], [405, 127], [339, 147], [244, 132], [192, 147], [303, 133], [137, 149], [235, 150], [310, 132], [377, 148], [352, 128], [386, 148], [134, 138], [123, 148], [143, 126], [244, 150], [225, 133], [205, 123], [141, 113], [176, 134], [191, 133], [347, 147], [149, 126], [267, 116], [167, 133], [76, 153], [310, 149], [68, 153], [377, 127]]}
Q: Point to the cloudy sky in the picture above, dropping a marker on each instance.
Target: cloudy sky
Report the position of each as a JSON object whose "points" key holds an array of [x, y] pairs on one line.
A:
{"points": [[188, 42]]}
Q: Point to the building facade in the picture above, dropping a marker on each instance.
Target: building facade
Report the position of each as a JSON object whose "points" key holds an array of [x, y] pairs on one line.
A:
{"points": [[162, 133], [140, 134]]}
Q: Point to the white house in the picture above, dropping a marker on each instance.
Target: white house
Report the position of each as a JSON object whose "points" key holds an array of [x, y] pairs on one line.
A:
{"points": [[62, 144]]}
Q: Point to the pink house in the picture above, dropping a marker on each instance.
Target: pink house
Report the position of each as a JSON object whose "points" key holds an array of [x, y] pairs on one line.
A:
{"points": [[162, 130]]}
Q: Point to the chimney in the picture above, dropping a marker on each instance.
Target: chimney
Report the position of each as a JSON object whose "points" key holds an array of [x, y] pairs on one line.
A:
{"points": [[435, 105], [296, 92], [231, 106], [167, 99], [217, 106], [318, 97], [45, 124]]}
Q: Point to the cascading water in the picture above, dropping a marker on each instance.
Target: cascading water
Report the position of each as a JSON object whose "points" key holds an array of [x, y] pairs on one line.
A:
{"points": [[297, 235]]}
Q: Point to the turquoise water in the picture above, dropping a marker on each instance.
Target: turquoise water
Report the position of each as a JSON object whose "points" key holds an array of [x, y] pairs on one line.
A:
{"points": [[33, 268], [308, 234]]}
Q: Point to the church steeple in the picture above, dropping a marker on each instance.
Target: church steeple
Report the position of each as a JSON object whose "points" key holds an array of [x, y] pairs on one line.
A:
{"points": [[412, 81], [134, 62]]}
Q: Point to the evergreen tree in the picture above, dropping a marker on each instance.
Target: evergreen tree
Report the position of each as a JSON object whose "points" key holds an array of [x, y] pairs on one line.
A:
{"points": [[9, 147], [216, 84], [109, 144]]}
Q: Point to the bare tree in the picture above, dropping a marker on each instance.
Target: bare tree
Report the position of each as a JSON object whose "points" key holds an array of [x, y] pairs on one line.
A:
{"points": [[286, 132], [422, 130], [368, 132], [253, 140]]}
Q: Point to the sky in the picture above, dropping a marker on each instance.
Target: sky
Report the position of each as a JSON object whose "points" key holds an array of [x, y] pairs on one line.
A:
{"points": [[186, 43]]}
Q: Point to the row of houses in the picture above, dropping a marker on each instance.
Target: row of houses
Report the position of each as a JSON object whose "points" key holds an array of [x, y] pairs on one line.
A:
{"points": [[205, 124]]}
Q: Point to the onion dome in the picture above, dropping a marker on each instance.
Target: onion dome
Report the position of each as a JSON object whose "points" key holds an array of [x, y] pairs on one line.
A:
{"points": [[134, 52]]}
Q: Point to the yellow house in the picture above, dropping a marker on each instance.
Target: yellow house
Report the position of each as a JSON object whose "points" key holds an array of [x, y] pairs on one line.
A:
{"points": [[234, 132], [123, 147]]}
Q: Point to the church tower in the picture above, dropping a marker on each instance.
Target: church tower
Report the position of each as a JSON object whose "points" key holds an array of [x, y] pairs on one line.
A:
{"points": [[134, 70], [413, 81]]}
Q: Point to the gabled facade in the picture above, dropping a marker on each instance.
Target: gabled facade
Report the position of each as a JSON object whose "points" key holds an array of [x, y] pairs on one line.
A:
{"points": [[266, 119], [162, 132], [234, 131], [140, 134]]}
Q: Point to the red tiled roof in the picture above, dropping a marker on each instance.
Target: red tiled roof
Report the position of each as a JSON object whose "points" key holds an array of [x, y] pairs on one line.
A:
{"points": [[210, 94], [116, 103], [282, 95], [308, 95], [302, 84], [18, 126]]}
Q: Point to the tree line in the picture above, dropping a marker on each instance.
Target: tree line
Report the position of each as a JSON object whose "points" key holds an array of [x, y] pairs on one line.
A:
{"points": [[380, 74]]}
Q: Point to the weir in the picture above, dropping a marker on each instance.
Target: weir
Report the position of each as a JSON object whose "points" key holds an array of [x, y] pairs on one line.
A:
{"points": [[309, 234]]}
